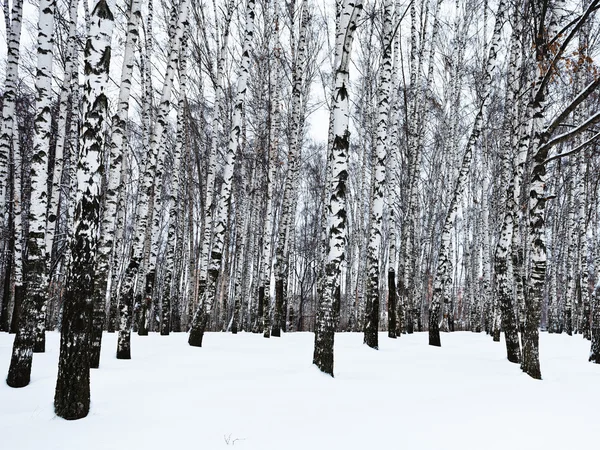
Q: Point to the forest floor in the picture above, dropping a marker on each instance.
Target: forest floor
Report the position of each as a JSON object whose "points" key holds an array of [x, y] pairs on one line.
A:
{"points": [[248, 392]]}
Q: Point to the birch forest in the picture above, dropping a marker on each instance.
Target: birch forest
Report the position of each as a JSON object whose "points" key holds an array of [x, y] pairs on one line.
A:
{"points": [[382, 167]]}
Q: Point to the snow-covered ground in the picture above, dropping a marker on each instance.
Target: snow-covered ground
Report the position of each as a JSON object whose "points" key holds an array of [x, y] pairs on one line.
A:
{"points": [[248, 392]]}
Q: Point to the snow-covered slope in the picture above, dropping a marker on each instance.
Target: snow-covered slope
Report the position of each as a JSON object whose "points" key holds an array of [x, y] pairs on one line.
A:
{"points": [[248, 392]]}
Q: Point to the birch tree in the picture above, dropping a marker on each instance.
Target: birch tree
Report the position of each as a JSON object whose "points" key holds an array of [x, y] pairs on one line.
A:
{"points": [[31, 333], [442, 268], [346, 22], [115, 184], [143, 218], [202, 314], [13, 35], [379, 176], [547, 30], [7, 138], [72, 396]]}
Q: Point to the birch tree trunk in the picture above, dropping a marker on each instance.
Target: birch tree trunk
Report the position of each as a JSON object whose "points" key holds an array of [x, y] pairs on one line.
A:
{"points": [[174, 195], [539, 147], [153, 173], [505, 305], [72, 395], [379, 179], [30, 335], [143, 219], [7, 130], [217, 126], [272, 173], [55, 193], [202, 314], [339, 145], [7, 138], [443, 260], [114, 186], [287, 220]]}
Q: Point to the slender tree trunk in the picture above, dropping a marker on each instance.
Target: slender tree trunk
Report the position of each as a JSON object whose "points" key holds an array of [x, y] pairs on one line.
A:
{"points": [[339, 146], [114, 186], [30, 334], [443, 260], [174, 207], [143, 219], [8, 127], [217, 126], [202, 314], [72, 396], [379, 180], [275, 123]]}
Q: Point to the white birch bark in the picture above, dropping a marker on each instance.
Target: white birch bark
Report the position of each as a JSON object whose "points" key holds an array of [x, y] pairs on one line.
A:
{"points": [[31, 332], [216, 132], [141, 244], [539, 147], [72, 396], [153, 173], [166, 304], [288, 213], [115, 183], [55, 192], [36, 285], [7, 130], [202, 314], [338, 173], [443, 260], [379, 182], [274, 131]]}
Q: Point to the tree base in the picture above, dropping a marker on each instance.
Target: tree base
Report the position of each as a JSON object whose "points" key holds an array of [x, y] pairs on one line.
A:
{"points": [[434, 338], [195, 339], [124, 353], [18, 377], [72, 395], [513, 349], [323, 354], [371, 340], [124, 345], [95, 357], [39, 345]]}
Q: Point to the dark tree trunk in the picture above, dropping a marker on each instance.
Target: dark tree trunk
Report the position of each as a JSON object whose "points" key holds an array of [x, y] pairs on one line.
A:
{"points": [[392, 304], [434, 331], [8, 269], [19, 372], [4, 325], [165, 322], [125, 322], [595, 349], [146, 307], [202, 316], [198, 329], [14, 323], [279, 314], [372, 313], [260, 312], [39, 337], [72, 396], [113, 313], [97, 326]]}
